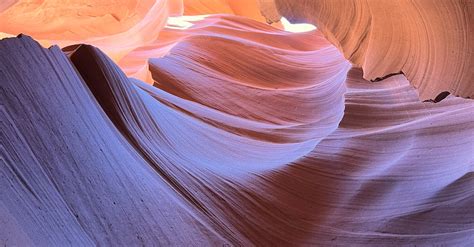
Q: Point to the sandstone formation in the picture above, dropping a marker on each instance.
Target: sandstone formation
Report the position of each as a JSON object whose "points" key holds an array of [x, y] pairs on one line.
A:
{"points": [[431, 42], [144, 126]]}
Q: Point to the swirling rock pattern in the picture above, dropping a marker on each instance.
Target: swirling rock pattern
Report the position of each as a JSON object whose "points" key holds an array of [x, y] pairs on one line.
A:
{"points": [[431, 42], [116, 27], [239, 134]]}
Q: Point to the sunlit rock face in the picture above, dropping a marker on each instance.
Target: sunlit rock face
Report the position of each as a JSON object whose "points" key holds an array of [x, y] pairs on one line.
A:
{"points": [[147, 127], [247, 8], [431, 42], [116, 27]]}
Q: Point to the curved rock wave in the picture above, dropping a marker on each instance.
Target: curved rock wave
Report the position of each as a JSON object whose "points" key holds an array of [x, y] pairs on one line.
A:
{"points": [[430, 42], [136, 63], [116, 27], [248, 136]]}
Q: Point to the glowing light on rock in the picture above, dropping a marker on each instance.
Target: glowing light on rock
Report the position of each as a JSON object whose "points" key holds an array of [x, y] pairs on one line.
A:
{"points": [[296, 28], [149, 127], [183, 22]]}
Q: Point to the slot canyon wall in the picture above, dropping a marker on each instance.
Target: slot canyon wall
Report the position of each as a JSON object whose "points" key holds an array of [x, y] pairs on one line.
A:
{"points": [[206, 123]]}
